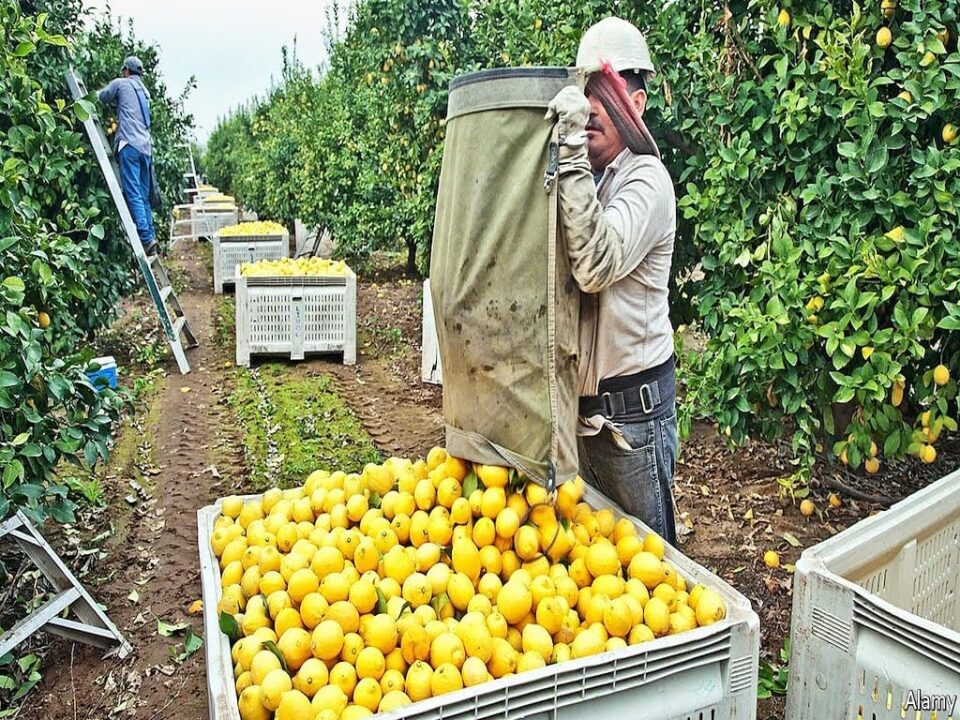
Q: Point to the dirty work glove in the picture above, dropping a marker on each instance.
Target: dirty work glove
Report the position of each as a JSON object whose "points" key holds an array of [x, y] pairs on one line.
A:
{"points": [[571, 109]]}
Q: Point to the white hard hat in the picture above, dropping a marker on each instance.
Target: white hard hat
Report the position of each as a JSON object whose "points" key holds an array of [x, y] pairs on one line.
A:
{"points": [[616, 41]]}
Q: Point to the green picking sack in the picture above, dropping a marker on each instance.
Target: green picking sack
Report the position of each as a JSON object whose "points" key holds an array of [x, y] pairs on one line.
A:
{"points": [[504, 299]]}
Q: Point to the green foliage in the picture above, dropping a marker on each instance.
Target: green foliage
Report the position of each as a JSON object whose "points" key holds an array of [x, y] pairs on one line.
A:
{"points": [[825, 208], [62, 257], [794, 157], [295, 425], [772, 677]]}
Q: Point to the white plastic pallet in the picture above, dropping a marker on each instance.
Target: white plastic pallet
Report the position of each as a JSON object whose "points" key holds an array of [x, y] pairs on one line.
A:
{"points": [[706, 674], [230, 251], [431, 370], [876, 613], [293, 316]]}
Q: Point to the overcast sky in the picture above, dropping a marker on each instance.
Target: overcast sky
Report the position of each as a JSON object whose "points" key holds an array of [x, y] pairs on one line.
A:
{"points": [[232, 48]]}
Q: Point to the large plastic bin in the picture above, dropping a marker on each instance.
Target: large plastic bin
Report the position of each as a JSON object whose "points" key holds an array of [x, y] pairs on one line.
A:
{"points": [[706, 674], [293, 316], [876, 614], [230, 251]]}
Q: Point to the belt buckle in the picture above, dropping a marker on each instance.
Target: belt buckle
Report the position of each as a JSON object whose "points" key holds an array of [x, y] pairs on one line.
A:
{"points": [[607, 407], [646, 399]]}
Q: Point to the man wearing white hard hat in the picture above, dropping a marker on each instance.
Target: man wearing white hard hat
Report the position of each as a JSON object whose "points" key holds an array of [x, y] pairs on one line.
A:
{"points": [[618, 213]]}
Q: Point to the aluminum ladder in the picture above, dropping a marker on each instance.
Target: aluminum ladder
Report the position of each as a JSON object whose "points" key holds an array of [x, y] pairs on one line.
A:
{"points": [[172, 317], [93, 626]]}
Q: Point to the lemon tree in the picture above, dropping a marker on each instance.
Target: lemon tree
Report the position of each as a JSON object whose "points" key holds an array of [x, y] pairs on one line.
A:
{"points": [[823, 198], [63, 262]]}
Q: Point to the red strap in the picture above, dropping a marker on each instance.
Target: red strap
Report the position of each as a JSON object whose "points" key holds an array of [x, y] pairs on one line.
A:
{"points": [[611, 90]]}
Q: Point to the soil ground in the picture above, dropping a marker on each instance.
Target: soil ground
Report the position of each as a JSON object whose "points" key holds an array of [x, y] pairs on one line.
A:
{"points": [[182, 449]]}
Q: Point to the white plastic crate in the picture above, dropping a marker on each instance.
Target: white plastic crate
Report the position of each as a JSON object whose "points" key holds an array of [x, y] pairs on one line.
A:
{"points": [[293, 316], [210, 218], [876, 614], [230, 251], [431, 370], [706, 674]]}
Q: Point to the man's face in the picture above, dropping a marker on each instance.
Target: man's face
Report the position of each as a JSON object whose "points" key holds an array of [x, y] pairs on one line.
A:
{"points": [[126, 72], [603, 140]]}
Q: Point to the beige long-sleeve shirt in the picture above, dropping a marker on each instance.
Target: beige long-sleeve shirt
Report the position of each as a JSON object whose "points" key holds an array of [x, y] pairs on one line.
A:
{"points": [[619, 237]]}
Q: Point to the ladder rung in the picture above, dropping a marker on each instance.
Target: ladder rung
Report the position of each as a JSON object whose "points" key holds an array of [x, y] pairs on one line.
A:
{"points": [[166, 292], [178, 325], [38, 618]]}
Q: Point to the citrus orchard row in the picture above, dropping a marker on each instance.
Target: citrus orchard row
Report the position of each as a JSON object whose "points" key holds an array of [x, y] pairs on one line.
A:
{"points": [[362, 593]]}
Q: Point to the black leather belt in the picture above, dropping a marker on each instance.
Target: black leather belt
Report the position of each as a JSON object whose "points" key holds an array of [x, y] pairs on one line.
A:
{"points": [[645, 401]]}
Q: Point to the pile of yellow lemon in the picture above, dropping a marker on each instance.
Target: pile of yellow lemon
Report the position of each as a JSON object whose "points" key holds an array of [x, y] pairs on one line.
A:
{"points": [[301, 267], [362, 593], [261, 227], [219, 198]]}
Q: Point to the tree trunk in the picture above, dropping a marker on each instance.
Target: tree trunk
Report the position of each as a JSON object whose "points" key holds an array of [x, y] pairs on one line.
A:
{"points": [[412, 258]]}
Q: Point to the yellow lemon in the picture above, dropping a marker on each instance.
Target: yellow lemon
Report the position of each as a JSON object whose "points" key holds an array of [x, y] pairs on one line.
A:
{"points": [[263, 662], [710, 608], [275, 684], [514, 601], [941, 375], [589, 642], [492, 475], [503, 659], [330, 698], [231, 506], [327, 640], [507, 523], [460, 589], [311, 676], [294, 645], [393, 700], [294, 705], [417, 685], [654, 544], [344, 676], [494, 500], [381, 633], [371, 663], [537, 639], [251, 704], [647, 568], [447, 648], [656, 616], [368, 694], [473, 672], [466, 558], [618, 618], [446, 678]]}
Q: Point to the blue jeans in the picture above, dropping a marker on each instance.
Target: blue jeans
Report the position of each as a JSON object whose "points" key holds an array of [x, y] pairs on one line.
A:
{"points": [[135, 180], [636, 470]]}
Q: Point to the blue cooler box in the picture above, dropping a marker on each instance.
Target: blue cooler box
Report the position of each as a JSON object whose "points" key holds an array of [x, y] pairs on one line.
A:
{"points": [[106, 376]]}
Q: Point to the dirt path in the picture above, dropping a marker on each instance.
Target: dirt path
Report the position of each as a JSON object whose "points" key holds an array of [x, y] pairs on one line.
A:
{"points": [[154, 494]]}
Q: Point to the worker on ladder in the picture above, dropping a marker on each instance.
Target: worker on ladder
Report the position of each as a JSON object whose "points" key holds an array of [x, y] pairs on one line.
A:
{"points": [[618, 212], [133, 146]]}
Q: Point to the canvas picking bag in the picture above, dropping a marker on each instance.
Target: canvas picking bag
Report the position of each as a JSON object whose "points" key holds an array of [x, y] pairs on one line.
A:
{"points": [[504, 299]]}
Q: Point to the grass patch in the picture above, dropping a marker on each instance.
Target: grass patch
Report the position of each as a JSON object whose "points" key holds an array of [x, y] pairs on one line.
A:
{"points": [[224, 322], [292, 425]]}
